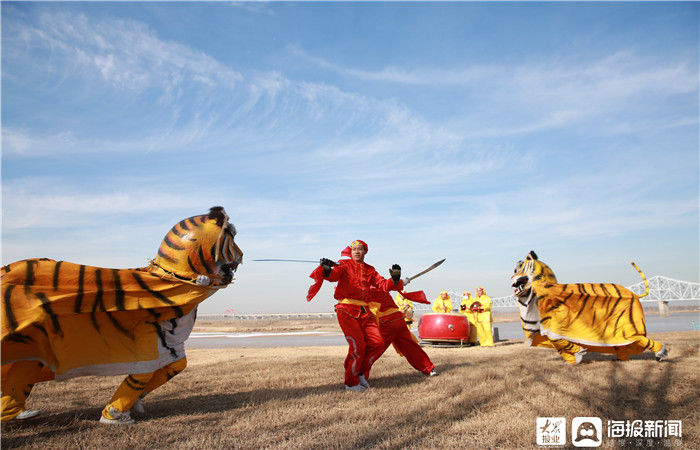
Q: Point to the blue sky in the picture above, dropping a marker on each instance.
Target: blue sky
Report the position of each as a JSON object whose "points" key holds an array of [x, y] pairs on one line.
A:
{"points": [[468, 131]]}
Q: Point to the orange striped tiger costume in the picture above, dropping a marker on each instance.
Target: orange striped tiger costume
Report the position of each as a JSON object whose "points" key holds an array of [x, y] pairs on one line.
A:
{"points": [[61, 320], [580, 317]]}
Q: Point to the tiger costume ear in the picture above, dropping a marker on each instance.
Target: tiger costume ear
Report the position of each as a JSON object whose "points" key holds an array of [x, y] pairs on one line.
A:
{"points": [[217, 213], [531, 255]]}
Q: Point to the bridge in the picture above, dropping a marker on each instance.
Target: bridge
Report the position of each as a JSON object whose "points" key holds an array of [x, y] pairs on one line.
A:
{"points": [[661, 289]]}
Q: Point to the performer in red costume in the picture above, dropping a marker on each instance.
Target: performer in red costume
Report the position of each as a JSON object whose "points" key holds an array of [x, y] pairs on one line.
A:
{"points": [[355, 278], [394, 331]]}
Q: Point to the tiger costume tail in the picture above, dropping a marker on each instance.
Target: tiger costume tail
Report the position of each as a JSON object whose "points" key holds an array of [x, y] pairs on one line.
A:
{"points": [[646, 283]]}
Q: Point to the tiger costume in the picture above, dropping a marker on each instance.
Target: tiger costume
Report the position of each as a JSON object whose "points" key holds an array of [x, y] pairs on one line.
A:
{"points": [[62, 320], [580, 317]]}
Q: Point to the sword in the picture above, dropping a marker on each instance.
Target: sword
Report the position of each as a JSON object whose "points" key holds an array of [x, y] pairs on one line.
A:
{"points": [[428, 269], [289, 260]]}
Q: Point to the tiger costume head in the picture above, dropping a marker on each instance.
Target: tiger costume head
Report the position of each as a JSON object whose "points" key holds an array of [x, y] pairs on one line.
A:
{"points": [[201, 245], [530, 273]]}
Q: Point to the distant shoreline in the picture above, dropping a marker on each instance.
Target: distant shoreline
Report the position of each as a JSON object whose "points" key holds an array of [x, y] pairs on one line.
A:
{"points": [[229, 324]]}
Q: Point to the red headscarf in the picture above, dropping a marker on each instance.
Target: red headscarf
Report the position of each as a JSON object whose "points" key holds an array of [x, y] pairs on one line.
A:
{"points": [[347, 251]]}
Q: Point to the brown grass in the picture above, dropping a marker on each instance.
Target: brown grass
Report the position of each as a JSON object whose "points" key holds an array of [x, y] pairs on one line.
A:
{"points": [[293, 397], [271, 325]]}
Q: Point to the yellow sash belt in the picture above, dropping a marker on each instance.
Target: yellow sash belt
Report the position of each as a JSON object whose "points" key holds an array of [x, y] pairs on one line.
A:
{"points": [[373, 307], [350, 301], [387, 312]]}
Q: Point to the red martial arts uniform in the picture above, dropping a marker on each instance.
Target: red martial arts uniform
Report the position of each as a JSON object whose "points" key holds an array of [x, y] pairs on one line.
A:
{"points": [[394, 331], [358, 324]]}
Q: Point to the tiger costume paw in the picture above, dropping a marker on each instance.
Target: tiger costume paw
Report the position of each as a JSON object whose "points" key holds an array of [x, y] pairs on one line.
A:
{"points": [[28, 414], [138, 407], [112, 416], [662, 354]]}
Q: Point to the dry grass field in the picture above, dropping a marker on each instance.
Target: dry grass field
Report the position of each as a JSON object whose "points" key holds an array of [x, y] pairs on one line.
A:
{"points": [[267, 325], [293, 397]]}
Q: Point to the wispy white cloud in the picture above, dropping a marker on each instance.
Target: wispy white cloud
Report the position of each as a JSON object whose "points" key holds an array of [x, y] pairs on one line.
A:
{"points": [[127, 53], [620, 74], [46, 202], [549, 95], [254, 6], [198, 99], [394, 74]]}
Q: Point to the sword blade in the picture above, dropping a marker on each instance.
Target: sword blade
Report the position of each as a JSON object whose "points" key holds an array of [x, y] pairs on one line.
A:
{"points": [[289, 260], [427, 270]]}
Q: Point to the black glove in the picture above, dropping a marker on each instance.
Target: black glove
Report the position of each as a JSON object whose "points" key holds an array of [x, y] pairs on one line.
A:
{"points": [[327, 265], [395, 273]]}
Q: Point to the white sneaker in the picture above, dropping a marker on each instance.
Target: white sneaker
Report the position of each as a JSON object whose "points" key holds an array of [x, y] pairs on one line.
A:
{"points": [[662, 354], [363, 381], [356, 388], [117, 417], [433, 373], [578, 356], [138, 407], [28, 414]]}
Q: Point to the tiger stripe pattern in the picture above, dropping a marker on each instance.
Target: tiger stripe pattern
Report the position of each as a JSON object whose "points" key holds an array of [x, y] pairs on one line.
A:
{"points": [[42, 298], [578, 317], [201, 245]]}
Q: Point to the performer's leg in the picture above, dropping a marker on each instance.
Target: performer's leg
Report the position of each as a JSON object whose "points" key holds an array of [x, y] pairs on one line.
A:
{"points": [[375, 344], [659, 349], [485, 335], [622, 354], [479, 332], [646, 343], [472, 330], [567, 349], [18, 379], [415, 355], [164, 374], [127, 393], [376, 351], [356, 347]]}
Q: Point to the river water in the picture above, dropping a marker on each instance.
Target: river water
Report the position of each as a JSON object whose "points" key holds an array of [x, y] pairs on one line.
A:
{"points": [[506, 331]]}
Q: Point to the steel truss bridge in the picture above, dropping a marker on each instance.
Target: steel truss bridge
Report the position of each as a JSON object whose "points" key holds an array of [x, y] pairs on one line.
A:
{"points": [[661, 289]]}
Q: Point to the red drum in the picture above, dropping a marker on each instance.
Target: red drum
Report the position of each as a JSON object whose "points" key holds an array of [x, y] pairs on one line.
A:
{"points": [[437, 327]]}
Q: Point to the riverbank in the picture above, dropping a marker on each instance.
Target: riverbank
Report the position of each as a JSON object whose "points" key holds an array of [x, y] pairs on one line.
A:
{"points": [[294, 398]]}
